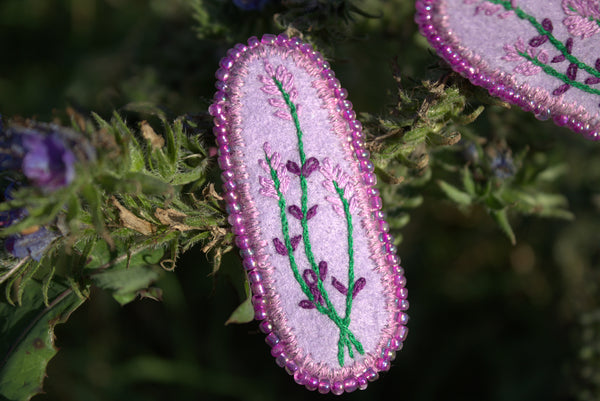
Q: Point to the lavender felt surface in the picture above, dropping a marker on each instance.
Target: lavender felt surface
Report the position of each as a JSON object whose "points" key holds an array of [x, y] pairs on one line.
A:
{"points": [[543, 55], [325, 279]]}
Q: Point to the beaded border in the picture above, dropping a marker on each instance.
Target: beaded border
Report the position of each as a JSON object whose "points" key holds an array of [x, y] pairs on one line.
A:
{"points": [[242, 217], [499, 84]]}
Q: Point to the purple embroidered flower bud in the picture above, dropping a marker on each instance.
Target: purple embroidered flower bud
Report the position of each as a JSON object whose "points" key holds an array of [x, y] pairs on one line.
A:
{"points": [[538, 41], [572, 71], [358, 285], [310, 277], [306, 304], [547, 25], [592, 80], [295, 211], [569, 45], [339, 286], [561, 89], [47, 161], [295, 241], [558, 59], [280, 247], [309, 166], [293, 167], [311, 212], [322, 270]]}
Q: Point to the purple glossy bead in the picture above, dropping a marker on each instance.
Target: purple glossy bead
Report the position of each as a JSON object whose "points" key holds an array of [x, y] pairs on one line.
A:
{"points": [[369, 179], [371, 375], [258, 289], [229, 186], [561, 120], [355, 125], [402, 292], [383, 226], [337, 388], [294, 42], [260, 314], [265, 326], [226, 63], [233, 53], [277, 350], [219, 120], [291, 367], [382, 365], [250, 263], [230, 196], [254, 277], [340, 93], [403, 304], [259, 302], [376, 202], [225, 162], [392, 258], [222, 74], [324, 386], [366, 166], [349, 115], [399, 280], [360, 136], [268, 39], [362, 382], [215, 109], [402, 318], [235, 219], [350, 384], [306, 48], [241, 47], [333, 83], [281, 360], [327, 74], [242, 242], [281, 40], [311, 383], [247, 253], [401, 333], [300, 377], [272, 340], [397, 269], [253, 42]]}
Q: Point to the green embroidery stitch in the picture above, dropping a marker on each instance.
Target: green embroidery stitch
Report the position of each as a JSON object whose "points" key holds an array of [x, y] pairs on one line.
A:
{"points": [[555, 42], [347, 338], [551, 71]]}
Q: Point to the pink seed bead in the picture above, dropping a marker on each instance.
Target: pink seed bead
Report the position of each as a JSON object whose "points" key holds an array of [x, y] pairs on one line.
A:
{"points": [[350, 385], [324, 386], [337, 388], [265, 326]]}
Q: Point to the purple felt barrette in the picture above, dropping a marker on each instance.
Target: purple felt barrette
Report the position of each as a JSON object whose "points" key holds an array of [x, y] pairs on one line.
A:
{"points": [[541, 55], [325, 279]]}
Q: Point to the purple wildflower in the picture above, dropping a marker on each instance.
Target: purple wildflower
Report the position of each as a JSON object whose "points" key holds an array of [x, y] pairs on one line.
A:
{"points": [[249, 5], [48, 163], [502, 166], [33, 244]]}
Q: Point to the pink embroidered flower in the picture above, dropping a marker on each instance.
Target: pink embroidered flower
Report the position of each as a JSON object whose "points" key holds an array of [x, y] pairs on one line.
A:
{"points": [[583, 17], [515, 53], [266, 183], [286, 78], [343, 181]]}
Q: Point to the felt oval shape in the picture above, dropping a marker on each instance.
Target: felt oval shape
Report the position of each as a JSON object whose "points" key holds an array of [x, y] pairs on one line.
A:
{"points": [[541, 55], [326, 282]]}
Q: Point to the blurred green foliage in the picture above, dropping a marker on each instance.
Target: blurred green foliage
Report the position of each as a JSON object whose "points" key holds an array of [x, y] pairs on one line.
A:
{"points": [[489, 320]]}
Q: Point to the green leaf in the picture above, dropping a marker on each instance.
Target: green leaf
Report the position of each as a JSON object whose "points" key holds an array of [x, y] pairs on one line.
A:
{"points": [[27, 334], [501, 218], [125, 284], [244, 313], [455, 194], [468, 183]]}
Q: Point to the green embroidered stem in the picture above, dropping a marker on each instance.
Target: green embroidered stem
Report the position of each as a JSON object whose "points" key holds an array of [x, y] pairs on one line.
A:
{"points": [[346, 337], [340, 192], [551, 71], [557, 43]]}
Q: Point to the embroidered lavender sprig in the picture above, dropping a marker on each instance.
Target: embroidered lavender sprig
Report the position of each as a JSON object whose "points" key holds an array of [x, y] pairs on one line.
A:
{"points": [[312, 280]]}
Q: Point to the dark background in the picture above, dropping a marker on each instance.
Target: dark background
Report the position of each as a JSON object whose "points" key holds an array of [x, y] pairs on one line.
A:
{"points": [[489, 321]]}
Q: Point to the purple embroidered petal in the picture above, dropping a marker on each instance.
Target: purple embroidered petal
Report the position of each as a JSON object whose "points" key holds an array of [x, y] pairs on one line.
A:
{"points": [[572, 71], [277, 102], [322, 270], [280, 247], [597, 65], [295, 211], [547, 25], [306, 304], [558, 59], [569, 45], [358, 285], [592, 80], [283, 114], [339, 286], [311, 212], [293, 167], [561, 89], [295, 241], [309, 166], [310, 277], [538, 41]]}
